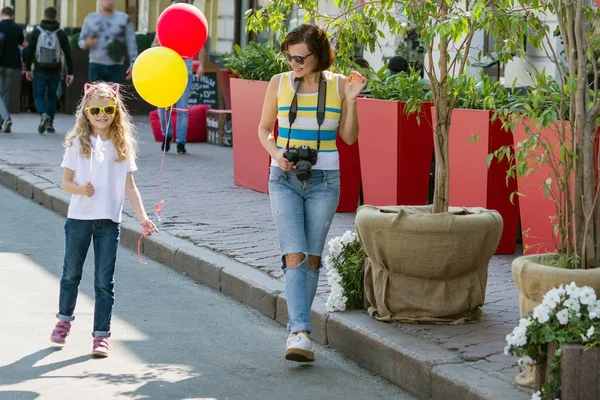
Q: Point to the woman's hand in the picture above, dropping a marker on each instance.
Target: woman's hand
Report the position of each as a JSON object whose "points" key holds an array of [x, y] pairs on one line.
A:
{"points": [[147, 227], [283, 163], [355, 84]]}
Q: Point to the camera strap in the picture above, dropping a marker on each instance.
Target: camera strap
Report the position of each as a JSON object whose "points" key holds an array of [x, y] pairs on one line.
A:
{"points": [[322, 97]]}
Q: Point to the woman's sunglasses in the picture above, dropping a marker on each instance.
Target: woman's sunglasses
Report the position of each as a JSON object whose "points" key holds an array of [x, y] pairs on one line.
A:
{"points": [[299, 59], [96, 110]]}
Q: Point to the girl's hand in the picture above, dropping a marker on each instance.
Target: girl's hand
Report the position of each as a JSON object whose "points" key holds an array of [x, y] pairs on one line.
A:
{"points": [[355, 84], [147, 227], [88, 189], [283, 163]]}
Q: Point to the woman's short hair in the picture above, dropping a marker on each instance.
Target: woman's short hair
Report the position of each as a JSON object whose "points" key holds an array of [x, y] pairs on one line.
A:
{"points": [[317, 42]]}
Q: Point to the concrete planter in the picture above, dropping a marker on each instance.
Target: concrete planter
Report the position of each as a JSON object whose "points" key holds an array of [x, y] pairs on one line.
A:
{"points": [[534, 280]]}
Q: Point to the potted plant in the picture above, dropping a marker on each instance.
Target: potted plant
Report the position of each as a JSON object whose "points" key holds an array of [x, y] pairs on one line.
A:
{"points": [[252, 68], [556, 336], [555, 160], [428, 263], [397, 114], [556, 156]]}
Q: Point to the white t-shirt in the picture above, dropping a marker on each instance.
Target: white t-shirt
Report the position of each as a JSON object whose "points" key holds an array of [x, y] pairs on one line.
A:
{"points": [[108, 176]]}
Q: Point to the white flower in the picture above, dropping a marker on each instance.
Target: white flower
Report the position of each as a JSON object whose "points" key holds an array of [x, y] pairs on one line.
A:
{"points": [[348, 237], [518, 337], [541, 313], [524, 322], [583, 338], [552, 298], [563, 316], [573, 304], [587, 296], [507, 351], [590, 332], [335, 247], [537, 396], [593, 311], [573, 290]]}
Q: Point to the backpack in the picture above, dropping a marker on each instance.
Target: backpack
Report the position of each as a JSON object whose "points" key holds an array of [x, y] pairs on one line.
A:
{"points": [[47, 51]]}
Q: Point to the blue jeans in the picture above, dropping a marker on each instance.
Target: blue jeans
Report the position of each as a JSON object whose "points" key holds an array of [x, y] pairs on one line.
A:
{"points": [[79, 234], [182, 115], [45, 83], [303, 212], [106, 73]]}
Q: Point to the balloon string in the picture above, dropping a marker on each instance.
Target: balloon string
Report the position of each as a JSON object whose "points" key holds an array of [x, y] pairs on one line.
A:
{"points": [[158, 207]]}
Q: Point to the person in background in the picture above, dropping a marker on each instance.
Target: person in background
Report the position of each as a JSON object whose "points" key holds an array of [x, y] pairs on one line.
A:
{"points": [[109, 35], [397, 64], [181, 105], [11, 37], [46, 44]]}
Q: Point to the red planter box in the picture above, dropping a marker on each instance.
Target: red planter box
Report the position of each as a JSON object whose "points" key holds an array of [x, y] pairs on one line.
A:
{"points": [[251, 161], [472, 183], [536, 209], [196, 132], [395, 153]]}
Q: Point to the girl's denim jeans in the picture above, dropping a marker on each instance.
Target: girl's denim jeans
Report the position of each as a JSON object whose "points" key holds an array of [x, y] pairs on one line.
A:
{"points": [[79, 234], [303, 212]]}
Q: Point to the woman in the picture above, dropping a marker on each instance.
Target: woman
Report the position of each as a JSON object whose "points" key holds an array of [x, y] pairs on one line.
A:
{"points": [[304, 192]]}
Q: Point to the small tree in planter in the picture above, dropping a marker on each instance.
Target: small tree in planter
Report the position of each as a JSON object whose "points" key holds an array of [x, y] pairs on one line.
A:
{"points": [[418, 250], [556, 161]]}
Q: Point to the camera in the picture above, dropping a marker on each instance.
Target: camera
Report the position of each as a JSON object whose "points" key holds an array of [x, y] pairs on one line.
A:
{"points": [[304, 157]]}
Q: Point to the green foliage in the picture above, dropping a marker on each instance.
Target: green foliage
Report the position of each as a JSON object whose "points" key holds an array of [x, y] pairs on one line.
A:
{"points": [[259, 62], [398, 87], [345, 266], [484, 94]]}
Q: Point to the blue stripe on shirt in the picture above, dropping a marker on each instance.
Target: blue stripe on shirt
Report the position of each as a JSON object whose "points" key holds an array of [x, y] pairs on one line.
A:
{"points": [[330, 109], [308, 134]]}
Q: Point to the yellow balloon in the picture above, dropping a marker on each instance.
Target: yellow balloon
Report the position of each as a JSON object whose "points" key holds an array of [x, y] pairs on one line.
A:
{"points": [[160, 76]]}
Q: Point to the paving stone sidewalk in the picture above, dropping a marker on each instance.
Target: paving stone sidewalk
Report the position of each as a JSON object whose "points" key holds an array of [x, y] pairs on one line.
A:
{"points": [[203, 206]]}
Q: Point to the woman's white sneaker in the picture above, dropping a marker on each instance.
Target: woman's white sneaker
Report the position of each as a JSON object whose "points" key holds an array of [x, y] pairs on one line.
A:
{"points": [[299, 348]]}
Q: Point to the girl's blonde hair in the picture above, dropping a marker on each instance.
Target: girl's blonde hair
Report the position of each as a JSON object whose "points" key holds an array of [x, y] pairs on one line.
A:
{"points": [[121, 131]]}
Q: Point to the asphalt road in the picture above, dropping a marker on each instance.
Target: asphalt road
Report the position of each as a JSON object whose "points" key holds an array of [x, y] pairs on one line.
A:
{"points": [[171, 338]]}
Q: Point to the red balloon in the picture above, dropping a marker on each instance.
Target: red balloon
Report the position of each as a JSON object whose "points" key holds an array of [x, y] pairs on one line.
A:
{"points": [[182, 27]]}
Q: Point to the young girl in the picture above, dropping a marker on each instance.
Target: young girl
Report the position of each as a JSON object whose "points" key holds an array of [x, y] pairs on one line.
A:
{"points": [[98, 170]]}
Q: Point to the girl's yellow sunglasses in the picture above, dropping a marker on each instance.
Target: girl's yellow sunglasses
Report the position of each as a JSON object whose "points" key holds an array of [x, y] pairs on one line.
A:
{"points": [[96, 110]]}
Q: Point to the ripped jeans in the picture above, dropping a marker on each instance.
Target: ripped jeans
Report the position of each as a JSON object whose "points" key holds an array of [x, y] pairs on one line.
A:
{"points": [[303, 212]]}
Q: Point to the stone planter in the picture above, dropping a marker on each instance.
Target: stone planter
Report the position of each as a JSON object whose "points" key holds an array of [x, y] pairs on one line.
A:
{"points": [[534, 280], [427, 267]]}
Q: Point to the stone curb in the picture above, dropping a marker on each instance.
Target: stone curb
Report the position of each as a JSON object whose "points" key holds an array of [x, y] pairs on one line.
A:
{"points": [[425, 370]]}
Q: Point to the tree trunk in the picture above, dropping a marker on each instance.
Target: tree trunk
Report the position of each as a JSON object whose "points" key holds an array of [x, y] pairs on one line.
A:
{"points": [[443, 115]]}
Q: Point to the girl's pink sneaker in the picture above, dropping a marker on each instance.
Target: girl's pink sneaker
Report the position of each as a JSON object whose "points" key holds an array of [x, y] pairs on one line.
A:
{"points": [[60, 332], [100, 347]]}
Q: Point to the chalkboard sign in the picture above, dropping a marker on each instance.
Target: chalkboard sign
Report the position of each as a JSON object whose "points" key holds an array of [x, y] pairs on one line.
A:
{"points": [[205, 91]]}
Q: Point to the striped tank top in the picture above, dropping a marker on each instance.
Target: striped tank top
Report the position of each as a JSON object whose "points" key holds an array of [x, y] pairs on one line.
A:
{"points": [[305, 127]]}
